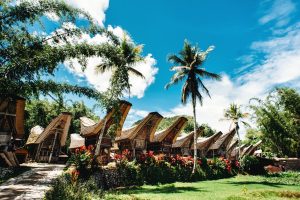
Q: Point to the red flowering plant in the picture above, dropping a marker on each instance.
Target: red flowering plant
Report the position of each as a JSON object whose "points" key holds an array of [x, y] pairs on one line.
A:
{"points": [[124, 156], [82, 158], [221, 167]]}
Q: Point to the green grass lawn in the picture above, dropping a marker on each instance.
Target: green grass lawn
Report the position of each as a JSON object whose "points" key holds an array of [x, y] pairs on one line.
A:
{"points": [[236, 188]]}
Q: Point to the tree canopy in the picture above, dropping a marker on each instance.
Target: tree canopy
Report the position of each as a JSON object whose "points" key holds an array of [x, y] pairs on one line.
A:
{"points": [[27, 57], [277, 117]]}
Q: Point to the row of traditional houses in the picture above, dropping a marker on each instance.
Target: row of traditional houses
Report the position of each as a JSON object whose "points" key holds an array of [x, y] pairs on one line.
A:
{"points": [[48, 145]]}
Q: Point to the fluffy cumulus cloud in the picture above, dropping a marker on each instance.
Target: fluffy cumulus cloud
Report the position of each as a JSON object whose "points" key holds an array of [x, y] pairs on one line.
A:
{"points": [[96, 8], [101, 80], [280, 65]]}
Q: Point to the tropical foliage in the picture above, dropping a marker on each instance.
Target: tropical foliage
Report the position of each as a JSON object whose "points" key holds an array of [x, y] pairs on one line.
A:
{"points": [[41, 112], [187, 68], [27, 57], [278, 120], [235, 115]]}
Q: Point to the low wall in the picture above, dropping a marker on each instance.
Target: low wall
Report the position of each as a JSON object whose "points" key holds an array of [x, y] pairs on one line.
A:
{"points": [[289, 163]]}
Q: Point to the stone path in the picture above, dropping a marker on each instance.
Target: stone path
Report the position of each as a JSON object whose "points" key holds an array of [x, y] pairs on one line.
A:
{"points": [[32, 184]]}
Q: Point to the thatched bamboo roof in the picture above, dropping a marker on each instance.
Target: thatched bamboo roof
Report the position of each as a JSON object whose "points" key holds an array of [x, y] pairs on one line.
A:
{"points": [[224, 140], [246, 150], [60, 124], [173, 131], [35, 132], [205, 142], [232, 145], [12, 115], [235, 151], [187, 140], [151, 121], [90, 128], [254, 148]]}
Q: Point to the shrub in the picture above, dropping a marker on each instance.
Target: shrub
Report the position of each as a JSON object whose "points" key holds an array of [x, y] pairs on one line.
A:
{"points": [[82, 159], [63, 188], [252, 165]]}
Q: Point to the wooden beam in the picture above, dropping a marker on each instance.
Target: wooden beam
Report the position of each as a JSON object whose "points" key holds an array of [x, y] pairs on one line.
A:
{"points": [[10, 157], [3, 156]]}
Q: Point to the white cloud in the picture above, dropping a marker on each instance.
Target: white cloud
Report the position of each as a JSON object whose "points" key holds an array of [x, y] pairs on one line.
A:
{"points": [[280, 12], [96, 8], [101, 80]]}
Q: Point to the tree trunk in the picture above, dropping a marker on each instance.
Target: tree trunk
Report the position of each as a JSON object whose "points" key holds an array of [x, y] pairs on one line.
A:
{"points": [[195, 138], [239, 139], [98, 147]]}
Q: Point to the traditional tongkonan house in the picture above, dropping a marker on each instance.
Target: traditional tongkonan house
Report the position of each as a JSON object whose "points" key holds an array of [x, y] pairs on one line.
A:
{"points": [[233, 144], [235, 152], [220, 146], [137, 138], [183, 145], [163, 140], [91, 130], [254, 148], [11, 127], [47, 145], [203, 144]]}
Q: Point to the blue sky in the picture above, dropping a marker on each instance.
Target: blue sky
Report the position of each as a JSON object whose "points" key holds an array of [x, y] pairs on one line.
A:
{"points": [[256, 48]]}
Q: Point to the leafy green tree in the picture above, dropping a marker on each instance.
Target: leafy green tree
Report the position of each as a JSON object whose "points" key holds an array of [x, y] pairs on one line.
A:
{"points": [[26, 57], [252, 136], [277, 118], [187, 68], [42, 112], [235, 115]]}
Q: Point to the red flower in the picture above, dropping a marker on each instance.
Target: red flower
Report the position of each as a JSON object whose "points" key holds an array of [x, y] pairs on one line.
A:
{"points": [[125, 152], [90, 147], [83, 148], [150, 154]]}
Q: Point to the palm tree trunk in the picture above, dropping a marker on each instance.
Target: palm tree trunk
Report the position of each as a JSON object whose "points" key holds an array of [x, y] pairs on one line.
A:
{"points": [[239, 139], [195, 138]]}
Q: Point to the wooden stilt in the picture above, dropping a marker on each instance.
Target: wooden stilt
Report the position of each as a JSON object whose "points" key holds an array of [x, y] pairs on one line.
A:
{"points": [[37, 156], [53, 146], [3, 156], [10, 157]]}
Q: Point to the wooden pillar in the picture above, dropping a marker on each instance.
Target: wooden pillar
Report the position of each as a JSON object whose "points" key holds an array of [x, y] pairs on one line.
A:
{"points": [[53, 146]]}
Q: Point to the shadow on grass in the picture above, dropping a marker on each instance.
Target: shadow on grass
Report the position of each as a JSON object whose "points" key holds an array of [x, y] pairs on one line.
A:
{"points": [[169, 188], [266, 183]]}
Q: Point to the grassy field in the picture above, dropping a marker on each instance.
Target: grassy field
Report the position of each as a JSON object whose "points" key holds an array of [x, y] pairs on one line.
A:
{"points": [[238, 188]]}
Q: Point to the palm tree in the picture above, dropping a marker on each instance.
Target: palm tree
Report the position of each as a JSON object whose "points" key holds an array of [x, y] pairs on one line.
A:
{"points": [[187, 68], [125, 56], [121, 62], [235, 115]]}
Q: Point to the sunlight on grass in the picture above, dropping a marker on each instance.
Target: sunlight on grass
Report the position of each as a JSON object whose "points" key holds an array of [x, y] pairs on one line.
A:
{"points": [[237, 188]]}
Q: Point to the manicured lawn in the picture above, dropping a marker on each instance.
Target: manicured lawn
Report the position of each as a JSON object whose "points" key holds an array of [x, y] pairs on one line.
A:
{"points": [[237, 188]]}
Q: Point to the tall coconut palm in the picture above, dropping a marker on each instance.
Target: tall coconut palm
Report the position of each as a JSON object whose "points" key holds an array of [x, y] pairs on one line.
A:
{"points": [[121, 62], [235, 115], [187, 69]]}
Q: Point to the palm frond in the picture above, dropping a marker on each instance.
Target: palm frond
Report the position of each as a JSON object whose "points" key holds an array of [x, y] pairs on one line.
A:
{"points": [[175, 79], [135, 72], [206, 74], [179, 68], [202, 86], [104, 67], [185, 92], [176, 60]]}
